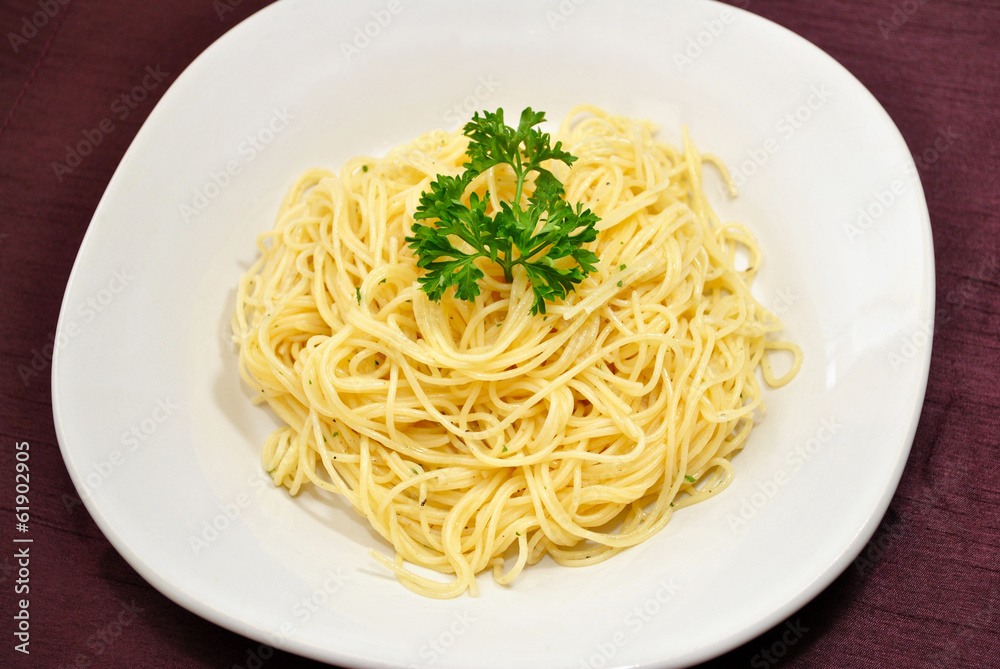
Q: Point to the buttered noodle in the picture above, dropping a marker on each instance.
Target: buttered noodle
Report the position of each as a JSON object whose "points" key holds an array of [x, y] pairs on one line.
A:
{"points": [[477, 435]]}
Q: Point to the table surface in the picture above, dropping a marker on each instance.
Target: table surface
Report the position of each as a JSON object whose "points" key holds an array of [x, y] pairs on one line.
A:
{"points": [[925, 592]]}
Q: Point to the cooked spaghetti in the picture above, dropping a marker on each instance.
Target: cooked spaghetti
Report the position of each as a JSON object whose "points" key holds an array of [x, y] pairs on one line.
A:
{"points": [[478, 435]]}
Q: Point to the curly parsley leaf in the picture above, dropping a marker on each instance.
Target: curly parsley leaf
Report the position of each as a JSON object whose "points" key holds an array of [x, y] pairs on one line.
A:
{"points": [[546, 237]]}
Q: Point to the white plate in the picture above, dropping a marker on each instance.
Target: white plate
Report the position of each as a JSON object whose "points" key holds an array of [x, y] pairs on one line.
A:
{"points": [[159, 437]]}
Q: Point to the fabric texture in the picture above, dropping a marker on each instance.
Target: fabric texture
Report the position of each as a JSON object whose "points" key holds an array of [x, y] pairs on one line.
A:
{"points": [[925, 592]]}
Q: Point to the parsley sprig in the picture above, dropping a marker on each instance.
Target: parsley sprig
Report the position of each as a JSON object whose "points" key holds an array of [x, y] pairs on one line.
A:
{"points": [[546, 237]]}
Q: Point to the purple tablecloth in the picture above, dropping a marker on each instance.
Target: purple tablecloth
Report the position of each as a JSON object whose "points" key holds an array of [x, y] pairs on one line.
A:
{"points": [[925, 592]]}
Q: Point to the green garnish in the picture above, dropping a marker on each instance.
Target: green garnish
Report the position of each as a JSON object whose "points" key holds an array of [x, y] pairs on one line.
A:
{"points": [[689, 479], [509, 237], [504, 450], [358, 292], [364, 168], [619, 284], [621, 267]]}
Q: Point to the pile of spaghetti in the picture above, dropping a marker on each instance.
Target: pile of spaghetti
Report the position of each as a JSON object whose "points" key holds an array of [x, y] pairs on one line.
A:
{"points": [[480, 435]]}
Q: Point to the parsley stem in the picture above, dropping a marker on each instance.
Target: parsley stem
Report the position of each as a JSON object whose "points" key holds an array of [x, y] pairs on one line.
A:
{"points": [[508, 266], [520, 179]]}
